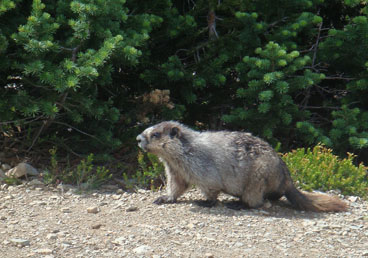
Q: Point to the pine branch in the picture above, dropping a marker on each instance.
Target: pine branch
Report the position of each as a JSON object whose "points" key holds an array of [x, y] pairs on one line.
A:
{"points": [[78, 130], [24, 120], [316, 45]]}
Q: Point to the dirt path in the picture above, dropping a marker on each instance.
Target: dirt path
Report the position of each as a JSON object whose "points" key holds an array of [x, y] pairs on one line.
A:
{"points": [[37, 221]]}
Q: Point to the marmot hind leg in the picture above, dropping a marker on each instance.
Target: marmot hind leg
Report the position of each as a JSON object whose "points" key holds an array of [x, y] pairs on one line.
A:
{"points": [[273, 196], [211, 198], [253, 198]]}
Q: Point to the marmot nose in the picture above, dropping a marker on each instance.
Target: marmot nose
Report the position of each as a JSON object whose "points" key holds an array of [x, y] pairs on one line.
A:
{"points": [[139, 138]]}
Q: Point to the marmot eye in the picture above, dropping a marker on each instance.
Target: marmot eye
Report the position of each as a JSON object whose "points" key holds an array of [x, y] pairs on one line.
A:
{"points": [[156, 135]]}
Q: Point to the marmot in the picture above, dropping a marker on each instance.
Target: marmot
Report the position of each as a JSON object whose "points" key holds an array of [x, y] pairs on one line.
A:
{"points": [[236, 163]]}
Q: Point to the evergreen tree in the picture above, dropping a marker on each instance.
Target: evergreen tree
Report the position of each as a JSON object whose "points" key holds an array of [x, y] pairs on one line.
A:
{"points": [[288, 71], [57, 64], [85, 73]]}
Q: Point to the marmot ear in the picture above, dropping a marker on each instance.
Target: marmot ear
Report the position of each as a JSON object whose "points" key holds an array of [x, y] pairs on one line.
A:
{"points": [[174, 132]]}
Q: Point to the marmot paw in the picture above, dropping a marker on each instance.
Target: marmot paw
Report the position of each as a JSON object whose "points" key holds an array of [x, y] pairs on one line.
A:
{"points": [[164, 199]]}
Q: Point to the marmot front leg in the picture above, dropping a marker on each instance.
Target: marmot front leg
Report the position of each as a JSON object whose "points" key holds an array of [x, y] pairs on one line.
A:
{"points": [[176, 186]]}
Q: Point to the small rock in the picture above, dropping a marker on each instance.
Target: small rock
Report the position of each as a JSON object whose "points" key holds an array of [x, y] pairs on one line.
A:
{"points": [[142, 191], [96, 226], [93, 210], [209, 255], [119, 241], [356, 227], [191, 226], [308, 223], [132, 208], [353, 198], [51, 236], [44, 251], [20, 242], [8, 197], [5, 167], [35, 182], [239, 244], [335, 226], [116, 196], [40, 203], [65, 210], [264, 212], [143, 249], [119, 191], [2, 174], [22, 169]]}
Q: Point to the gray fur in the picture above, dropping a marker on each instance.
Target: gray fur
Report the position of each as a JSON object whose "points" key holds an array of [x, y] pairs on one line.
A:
{"points": [[235, 163]]}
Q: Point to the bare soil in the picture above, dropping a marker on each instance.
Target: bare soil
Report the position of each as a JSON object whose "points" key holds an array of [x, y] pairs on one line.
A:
{"points": [[41, 221]]}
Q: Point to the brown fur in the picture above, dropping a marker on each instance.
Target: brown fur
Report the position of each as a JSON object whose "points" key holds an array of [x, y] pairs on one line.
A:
{"points": [[235, 163]]}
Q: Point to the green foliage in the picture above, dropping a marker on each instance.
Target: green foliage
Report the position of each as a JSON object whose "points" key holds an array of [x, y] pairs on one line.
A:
{"points": [[268, 97], [149, 174], [319, 169], [85, 175], [56, 66], [284, 70], [11, 180], [80, 74]]}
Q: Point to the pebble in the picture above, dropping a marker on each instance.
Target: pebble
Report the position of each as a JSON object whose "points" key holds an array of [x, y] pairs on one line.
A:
{"points": [[44, 251], [20, 242], [132, 208], [353, 198], [119, 191], [35, 182], [65, 210], [116, 196], [143, 249], [119, 241], [51, 236], [93, 209], [96, 226]]}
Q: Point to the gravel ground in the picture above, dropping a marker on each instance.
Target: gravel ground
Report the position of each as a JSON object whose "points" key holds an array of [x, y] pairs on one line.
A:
{"points": [[40, 221]]}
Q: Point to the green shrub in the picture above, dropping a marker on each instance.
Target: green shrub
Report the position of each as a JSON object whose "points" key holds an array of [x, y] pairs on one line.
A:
{"points": [[149, 174], [320, 169], [11, 180], [85, 175]]}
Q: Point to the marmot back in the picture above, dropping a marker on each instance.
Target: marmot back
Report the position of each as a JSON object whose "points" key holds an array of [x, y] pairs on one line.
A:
{"points": [[235, 163]]}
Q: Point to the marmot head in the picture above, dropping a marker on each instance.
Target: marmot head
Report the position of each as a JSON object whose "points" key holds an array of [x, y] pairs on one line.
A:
{"points": [[161, 138]]}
